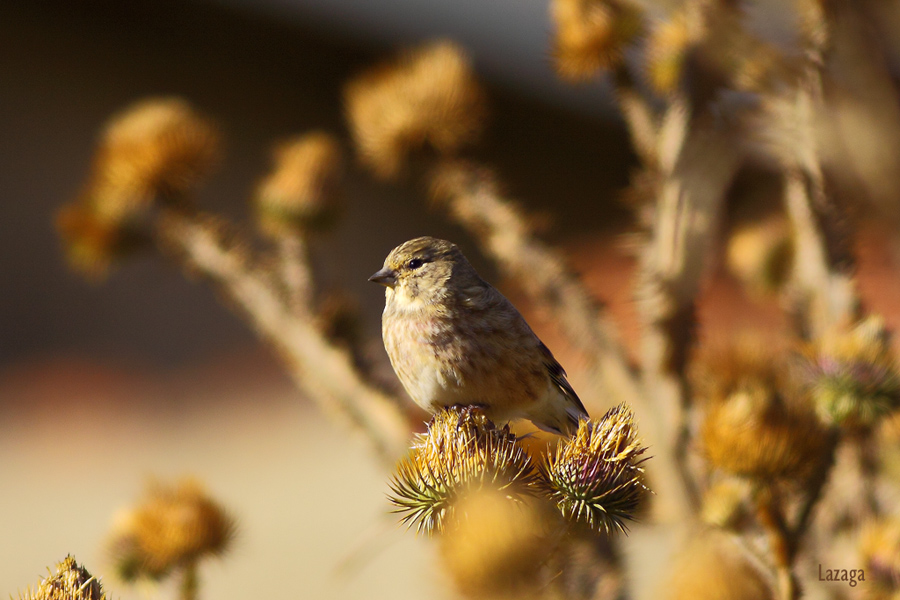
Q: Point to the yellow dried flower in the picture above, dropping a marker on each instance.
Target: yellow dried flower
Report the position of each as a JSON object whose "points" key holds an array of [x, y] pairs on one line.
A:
{"points": [[70, 582], [494, 548], [756, 433], [90, 243], [302, 191], [158, 147], [879, 548], [428, 97], [667, 48], [596, 476], [755, 425], [725, 503], [172, 527], [592, 35], [462, 452], [761, 254], [155, 149], [713, 566], [853, 375]]}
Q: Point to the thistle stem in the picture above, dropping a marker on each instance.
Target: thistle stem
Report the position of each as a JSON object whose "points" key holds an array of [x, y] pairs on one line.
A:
{"points": [[293, 255], [781, 541], [190, 582], [324, 372]]}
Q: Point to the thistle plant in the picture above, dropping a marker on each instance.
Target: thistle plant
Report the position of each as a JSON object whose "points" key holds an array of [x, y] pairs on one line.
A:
{"points": [[879, 549], [170, 531], [462, 452], [751, 446], [853, 375], [597, 476], [71, 581]]}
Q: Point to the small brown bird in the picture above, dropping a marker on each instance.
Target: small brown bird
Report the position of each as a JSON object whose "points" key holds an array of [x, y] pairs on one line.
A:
{"points": [[455, 340]]}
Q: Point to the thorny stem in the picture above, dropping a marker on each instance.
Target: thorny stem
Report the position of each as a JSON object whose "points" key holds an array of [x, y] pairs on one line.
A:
{"points": [[293, 257], [815, 487], [190, 582], [638, 114], [325, 373], [823, 263], [785, 539], [772, 518], [697, 161], [867, 461]]}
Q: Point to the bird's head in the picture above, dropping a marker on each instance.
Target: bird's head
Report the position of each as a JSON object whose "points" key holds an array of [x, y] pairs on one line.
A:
{"points": [[423, 270]]}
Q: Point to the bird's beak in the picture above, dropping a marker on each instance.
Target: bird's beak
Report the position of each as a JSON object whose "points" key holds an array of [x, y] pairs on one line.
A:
{"points": [[386, 277]]}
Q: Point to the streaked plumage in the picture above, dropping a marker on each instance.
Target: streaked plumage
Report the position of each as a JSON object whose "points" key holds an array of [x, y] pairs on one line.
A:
{"points": [[455, 340]]}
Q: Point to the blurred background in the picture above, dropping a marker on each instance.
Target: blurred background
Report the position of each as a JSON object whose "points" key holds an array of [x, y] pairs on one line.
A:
{"points": [[147, 374]]}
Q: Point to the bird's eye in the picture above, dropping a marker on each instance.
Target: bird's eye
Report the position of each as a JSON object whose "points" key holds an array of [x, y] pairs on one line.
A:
{"points": [[415, 264]]}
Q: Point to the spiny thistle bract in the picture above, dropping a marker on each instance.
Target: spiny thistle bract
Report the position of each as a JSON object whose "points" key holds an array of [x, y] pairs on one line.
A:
{"points": [[70, 582], [427, 97], [853, 375], [461, 452], [596, 476], [301, 192], [172, 527]]}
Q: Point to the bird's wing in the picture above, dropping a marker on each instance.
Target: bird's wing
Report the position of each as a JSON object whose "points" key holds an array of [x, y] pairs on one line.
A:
{"points": [[558, 377]]}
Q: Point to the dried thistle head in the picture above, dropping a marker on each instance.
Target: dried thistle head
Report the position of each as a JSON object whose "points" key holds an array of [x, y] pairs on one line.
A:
{"points": [[302, 191], [761, 254], [157, 148], [879, 548], [428, 97], [70, 582], [754, 424], [91, 242], [725, 503], [494, 548], [172, 527], [596, 476], [712, 566], [462, 452], [592, 35], [667, 48], [852, 375]]}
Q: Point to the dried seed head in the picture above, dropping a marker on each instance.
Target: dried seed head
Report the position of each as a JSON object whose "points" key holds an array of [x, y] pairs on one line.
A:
{"points": [[754, 424], [596, 476], [879, 548], [172, 527], [725, 503], [761, 254], [853, 375], [462, 452], [428, 97], [667, 49], [70, 582], [157, 148], [592, 35], [91, 243], [302, 191], [711, 567], [494, 547]]}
